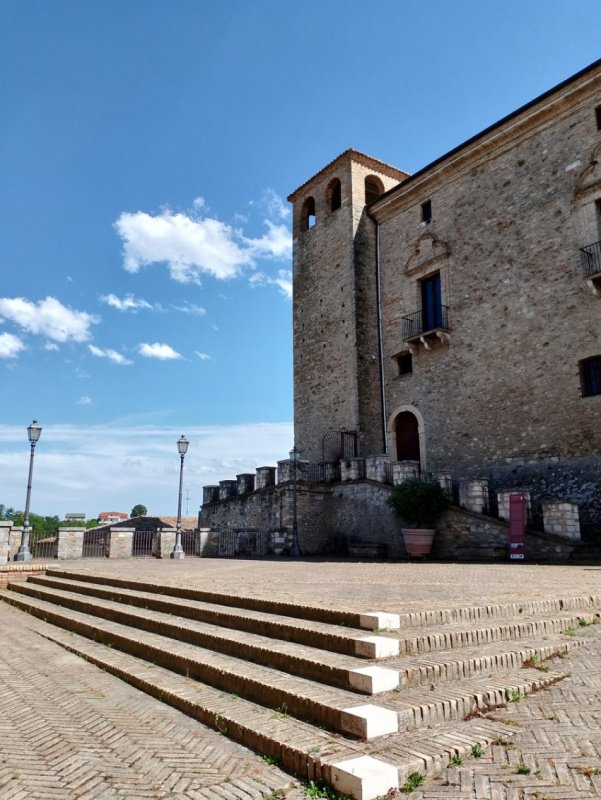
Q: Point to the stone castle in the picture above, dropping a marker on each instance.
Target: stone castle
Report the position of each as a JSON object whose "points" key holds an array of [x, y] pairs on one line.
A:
{"points": [[446, 322]]}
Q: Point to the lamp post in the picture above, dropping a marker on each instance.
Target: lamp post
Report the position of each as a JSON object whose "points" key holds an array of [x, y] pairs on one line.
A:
{"points": [[24, 553], [182, 449], [294, 457]]}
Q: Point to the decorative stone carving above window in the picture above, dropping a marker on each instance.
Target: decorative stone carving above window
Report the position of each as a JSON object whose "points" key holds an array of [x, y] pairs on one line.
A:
{"points": [[590, 177], [427, 250]]}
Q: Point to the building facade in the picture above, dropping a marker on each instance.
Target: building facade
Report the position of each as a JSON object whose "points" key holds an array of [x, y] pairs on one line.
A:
{"points": [[452, 317]]}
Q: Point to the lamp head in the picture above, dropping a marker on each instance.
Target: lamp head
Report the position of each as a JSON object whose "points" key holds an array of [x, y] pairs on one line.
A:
{"points": [[34, 431], [182, 445], [295, 454]]}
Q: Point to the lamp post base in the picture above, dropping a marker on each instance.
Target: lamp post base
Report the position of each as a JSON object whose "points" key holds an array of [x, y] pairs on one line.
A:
{"points": [[23, 555], [175, 553]]}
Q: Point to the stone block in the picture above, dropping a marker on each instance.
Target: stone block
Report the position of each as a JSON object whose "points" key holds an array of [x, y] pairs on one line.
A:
{"points": [[210, 494], [374, 680], [404, 470], [163, 542], [227, 489], [369, 722], [364, 777], [561, 519], [376, 647], [265, 477], [245, 482], [5, 527], [379, 619], [121, 542], [376, 468], [70, 543]]}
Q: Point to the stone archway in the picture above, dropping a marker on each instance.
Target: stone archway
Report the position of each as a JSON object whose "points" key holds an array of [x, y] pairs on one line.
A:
{"points": [[406, 435]]}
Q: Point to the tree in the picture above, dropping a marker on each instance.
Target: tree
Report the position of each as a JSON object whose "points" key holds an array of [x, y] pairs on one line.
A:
{"points": [[139, 511]]}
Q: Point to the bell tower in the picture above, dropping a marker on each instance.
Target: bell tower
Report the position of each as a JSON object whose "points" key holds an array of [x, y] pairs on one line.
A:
{"points": [[337, 376]]}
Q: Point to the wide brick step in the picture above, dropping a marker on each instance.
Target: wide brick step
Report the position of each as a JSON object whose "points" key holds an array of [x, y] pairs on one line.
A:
{"points": [[282, 608], [336, 670], [345, 672], [334, 708], [308, 752], [445, 666], [337, 709], [453, 637], [495, 611], [326, 636], [352, 618]]}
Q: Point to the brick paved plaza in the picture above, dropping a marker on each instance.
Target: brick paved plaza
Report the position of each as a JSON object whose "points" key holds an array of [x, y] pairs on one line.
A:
{"points": [[70, 730]]}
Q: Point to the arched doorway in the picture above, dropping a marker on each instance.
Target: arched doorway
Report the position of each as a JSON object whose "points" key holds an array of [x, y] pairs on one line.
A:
{"points": [[407, 437]]}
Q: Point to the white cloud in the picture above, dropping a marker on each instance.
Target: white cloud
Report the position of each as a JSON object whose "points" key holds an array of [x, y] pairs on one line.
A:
{"points": [[112, 355], [49, 318], [114, 466], [192, 245], [84, 400], [163, 352], [127, 303], [10, 345], [283, 280], [203, 356], [51, 346], [189, 246], [190, 308]]}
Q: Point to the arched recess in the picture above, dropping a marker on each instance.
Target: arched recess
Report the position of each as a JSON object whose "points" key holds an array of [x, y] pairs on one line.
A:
{"points": [[373, 189], [406, 435], [334, 195], [308, 214]]}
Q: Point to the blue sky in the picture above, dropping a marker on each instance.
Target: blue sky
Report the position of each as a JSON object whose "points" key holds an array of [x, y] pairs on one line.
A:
{"points": [[146, 150]]}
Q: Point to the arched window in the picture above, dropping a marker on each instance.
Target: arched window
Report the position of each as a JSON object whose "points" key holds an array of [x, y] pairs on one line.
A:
{"points": [[334, 195], [373, 189], [308, 214]]}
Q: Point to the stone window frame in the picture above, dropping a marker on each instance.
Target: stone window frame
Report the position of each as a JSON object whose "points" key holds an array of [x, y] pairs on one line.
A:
{"points": [[308, 212], [590, 376], [373, 192], [405, 356], [334, 195]]}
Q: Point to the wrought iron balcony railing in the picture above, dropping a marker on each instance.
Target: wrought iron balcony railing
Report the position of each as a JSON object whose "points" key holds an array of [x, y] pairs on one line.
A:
{"points": [[590, 258], [425, 321]]}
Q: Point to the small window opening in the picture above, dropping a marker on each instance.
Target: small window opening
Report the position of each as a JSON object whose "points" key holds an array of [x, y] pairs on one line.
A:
{"points": [[405, 363], [598, 117], [427, 212], [308, 214], [373, 189], [335, 195], [590, 376]]}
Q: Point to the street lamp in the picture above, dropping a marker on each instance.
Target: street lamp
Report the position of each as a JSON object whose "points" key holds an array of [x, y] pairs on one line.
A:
{"points": [[294, 457], [182, 449], [24, 553]]}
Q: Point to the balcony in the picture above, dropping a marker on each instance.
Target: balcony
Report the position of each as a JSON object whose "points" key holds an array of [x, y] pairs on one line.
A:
{"points": [[427, 325], [590, 258]]}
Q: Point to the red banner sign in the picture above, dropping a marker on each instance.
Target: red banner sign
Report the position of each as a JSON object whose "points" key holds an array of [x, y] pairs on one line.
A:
{"points": [[517, 526]]}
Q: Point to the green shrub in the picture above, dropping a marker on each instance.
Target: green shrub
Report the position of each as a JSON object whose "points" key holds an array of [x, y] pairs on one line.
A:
{"points": [[418, 503]]}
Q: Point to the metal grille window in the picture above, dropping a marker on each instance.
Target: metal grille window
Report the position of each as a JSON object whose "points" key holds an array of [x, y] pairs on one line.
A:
{"points": [[590, 376], [598, 117], [427, 211]]}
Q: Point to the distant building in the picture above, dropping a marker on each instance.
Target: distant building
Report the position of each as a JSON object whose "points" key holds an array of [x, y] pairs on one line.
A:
{"points": [[111, 517], [75, 517]]}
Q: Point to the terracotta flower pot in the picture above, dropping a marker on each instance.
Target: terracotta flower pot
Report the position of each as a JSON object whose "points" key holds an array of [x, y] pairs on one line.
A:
{"points": [[418, 541]]}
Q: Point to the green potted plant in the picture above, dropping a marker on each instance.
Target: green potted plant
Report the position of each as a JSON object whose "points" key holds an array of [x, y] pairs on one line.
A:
{"points": [[419, 504]]}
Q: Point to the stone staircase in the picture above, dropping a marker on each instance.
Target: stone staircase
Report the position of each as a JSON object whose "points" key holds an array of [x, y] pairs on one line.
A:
{"points": [[358, 700]]}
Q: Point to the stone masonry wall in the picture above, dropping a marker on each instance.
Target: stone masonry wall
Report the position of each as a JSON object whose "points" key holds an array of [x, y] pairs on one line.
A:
{"points": [[335, 322], [508, 219]]}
